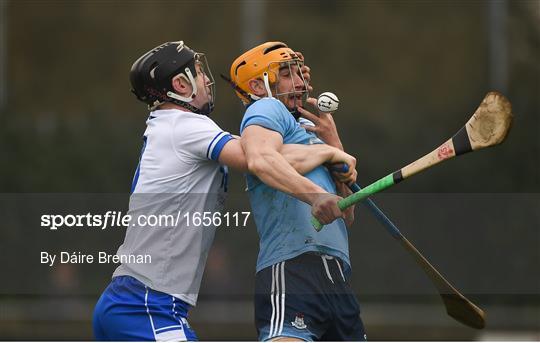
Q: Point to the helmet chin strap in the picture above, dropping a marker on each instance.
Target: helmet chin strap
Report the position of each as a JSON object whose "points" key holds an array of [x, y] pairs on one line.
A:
{"points": [[191, 80], [267, 85], [185, 101]]}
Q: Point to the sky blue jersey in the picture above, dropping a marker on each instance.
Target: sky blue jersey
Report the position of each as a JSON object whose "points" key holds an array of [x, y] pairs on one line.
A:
{"points": [[283, 222]]}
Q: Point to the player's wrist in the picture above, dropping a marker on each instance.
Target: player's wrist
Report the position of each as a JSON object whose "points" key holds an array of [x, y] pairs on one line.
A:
{"points": [[313, 195], [330, 153]]}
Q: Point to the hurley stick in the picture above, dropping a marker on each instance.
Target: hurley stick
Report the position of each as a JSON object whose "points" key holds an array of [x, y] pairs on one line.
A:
{"points": [[488, 126], [456, 304]]}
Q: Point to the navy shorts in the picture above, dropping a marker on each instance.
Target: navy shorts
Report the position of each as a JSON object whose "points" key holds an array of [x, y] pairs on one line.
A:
{"points": [[129, 311], [307, 297]]}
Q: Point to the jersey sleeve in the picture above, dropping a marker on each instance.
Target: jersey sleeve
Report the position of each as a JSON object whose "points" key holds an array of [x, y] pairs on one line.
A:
{"points": [[199, 138], [269, 113]]}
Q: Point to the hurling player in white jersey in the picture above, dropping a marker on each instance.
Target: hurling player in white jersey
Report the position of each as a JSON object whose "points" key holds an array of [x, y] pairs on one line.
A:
{"points": [[183, 169]]}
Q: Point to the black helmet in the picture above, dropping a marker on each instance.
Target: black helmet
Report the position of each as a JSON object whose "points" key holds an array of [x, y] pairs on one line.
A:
{"points": [[151, 76]]}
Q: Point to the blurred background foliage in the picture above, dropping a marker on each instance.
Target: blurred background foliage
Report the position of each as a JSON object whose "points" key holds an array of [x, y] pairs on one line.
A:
{"points": [[408, 74]]}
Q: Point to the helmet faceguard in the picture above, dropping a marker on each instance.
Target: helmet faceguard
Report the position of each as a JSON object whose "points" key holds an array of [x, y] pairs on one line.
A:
{"points": [[210, 87], [152, 74], [266, 62], [286, 69]]}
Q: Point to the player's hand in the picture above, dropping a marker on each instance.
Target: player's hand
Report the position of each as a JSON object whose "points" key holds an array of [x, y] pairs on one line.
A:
{"points": [[306, 71], [341, 157], [348, 213], [325, 126], [325, 208]]}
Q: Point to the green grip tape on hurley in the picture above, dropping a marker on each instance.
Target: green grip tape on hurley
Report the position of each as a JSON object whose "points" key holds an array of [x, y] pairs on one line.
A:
{"points": [[355, 198]]}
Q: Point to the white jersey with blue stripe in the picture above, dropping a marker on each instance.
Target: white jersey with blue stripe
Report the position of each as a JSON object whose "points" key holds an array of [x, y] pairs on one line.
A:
{"points": [[283, 222], [177, 174]]}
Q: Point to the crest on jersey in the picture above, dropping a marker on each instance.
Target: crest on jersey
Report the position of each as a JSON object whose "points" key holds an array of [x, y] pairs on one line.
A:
{"points": [[299, 322]]}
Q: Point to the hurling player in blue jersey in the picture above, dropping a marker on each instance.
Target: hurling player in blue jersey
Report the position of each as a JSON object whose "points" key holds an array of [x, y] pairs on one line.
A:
{"points": [[302, 281]]}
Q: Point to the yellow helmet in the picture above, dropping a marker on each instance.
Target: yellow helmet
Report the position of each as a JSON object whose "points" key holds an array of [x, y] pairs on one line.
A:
{"points": [[263, 62]]}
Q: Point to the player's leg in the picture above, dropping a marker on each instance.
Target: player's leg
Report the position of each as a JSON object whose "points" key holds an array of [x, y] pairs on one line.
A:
{"points": [[120, 313], [347, 324], [169, 317], [99, 333], [289, 300], [128, 310]]}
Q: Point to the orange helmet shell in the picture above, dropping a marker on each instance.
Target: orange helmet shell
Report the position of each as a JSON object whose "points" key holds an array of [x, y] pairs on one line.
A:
{"points": [[253, 63]]}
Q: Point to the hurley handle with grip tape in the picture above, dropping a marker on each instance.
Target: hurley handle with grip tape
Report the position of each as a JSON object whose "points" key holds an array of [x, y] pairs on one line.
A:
{"points": [[375, 210], [354, 198]]}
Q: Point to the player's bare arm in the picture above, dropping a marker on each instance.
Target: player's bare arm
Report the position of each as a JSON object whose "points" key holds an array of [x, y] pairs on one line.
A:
{"points": [[303, 158], [262, 148]]}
